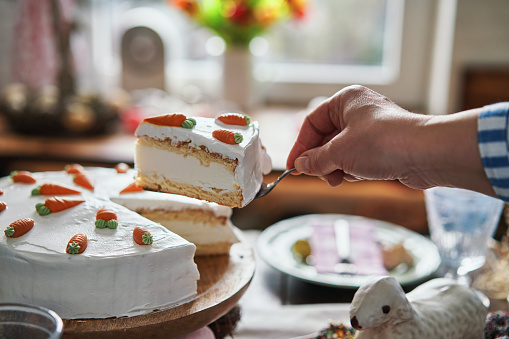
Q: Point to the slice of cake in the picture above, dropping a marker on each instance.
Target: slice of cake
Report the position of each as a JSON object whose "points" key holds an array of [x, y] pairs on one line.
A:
{"points": [[205, 224], [73, 250], [220, 160]]}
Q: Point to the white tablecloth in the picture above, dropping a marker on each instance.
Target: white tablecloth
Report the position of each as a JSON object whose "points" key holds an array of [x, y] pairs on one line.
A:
{"points": [[289, 321]]}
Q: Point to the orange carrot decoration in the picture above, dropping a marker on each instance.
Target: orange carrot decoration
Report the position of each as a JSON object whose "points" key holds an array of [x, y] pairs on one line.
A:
{"points": [[74, 169], [106, 218], [171, 120], [23, 177], [131, 188], [19, 227], [3, 206], [228, 137], [106, 213], [141, 236], [54, 189], [234, 119], [122, 167], [56, 204], [84, 180], [77, 244], [1, 192]]}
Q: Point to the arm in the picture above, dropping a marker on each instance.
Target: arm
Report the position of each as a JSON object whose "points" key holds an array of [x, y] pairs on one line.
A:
{"points": [[360, 134]]}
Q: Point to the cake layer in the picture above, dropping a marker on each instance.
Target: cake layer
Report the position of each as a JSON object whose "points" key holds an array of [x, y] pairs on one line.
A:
{"points": [[113, 277], [207, 225], [225, 197], [192, 162]]}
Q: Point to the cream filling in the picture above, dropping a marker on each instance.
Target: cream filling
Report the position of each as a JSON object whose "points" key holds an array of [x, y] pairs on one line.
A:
{"points": [[186, 170]]}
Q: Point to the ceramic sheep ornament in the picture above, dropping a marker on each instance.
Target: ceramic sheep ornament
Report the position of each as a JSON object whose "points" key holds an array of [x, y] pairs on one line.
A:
{"points": [[439, 308]]}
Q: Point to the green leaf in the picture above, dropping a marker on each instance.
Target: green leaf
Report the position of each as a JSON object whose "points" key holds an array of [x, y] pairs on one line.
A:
{"points": [[146, 238], [238, 137], [9, 231], [73, 248]]}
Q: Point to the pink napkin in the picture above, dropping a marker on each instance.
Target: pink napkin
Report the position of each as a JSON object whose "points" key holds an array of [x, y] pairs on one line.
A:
{"points": [[365, 252]]}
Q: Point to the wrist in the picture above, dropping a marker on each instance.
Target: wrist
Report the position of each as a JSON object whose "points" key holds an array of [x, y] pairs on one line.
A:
{"points": [[450, 152]]}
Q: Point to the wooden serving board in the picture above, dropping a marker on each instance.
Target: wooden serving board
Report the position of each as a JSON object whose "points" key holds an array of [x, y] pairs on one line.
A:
{"points": [[223, 280]]}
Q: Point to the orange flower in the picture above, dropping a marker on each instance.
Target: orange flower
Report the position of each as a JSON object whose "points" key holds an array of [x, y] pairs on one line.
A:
{"points": [[239, 13], [266, 15], [297, 7], [188, 6]]}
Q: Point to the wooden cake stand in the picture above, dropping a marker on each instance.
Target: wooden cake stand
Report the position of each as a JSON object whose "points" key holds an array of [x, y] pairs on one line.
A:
{"points": [[223, 280]]}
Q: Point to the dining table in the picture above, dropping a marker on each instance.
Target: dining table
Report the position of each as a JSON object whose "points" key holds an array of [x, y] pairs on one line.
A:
{"points": [[278, 305]]}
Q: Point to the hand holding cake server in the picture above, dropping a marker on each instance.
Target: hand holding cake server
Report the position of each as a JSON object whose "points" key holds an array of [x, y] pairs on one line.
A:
{"points": [[360, 134]]}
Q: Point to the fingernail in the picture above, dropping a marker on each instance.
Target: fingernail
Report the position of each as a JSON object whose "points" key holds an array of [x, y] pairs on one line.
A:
{"points": [[302, 164]]}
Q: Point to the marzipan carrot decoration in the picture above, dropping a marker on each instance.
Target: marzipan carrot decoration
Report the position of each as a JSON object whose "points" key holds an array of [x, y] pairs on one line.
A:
{"points": [[1, 192], [234, 119], [228, 137], [106, 218], [56, 204], [171, 120], [131, 188], [54, 189], [142, 236], [77, 244], [74, 168], [3, 206], [23, 177], [84, 180], [122, 167], [19, 227]]}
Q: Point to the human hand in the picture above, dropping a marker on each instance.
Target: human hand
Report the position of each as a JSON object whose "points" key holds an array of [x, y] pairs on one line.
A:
{"points": [[360, 134]]}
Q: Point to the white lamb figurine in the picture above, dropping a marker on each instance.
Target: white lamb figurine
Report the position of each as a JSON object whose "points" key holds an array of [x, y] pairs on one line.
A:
{"points": [[439, 308]]}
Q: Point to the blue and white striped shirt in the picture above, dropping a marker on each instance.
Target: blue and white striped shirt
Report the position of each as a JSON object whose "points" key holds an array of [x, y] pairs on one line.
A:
{"points": [[493, 139]]}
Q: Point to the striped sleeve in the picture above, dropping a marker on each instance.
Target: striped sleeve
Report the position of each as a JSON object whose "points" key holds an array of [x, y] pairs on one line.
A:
{"points": [[493, 139]]}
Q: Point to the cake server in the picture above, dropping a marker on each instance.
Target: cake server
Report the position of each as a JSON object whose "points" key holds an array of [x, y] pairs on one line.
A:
{"points": [[266, 188], [342, 231], [342, 235]]}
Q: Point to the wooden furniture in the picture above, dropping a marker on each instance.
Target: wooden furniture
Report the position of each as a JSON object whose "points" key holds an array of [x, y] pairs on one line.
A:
{"points": [[484, 85], [34, 153]]}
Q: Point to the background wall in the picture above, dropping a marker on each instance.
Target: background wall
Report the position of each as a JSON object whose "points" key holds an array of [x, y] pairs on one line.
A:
{"points": [[481, 38]]}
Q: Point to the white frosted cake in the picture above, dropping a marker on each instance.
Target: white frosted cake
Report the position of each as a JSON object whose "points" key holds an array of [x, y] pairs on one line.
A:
{"points": [[110, 275], [219, 160]]}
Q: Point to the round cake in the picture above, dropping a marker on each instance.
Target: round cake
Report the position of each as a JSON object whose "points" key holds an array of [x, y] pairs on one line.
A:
{"points": [[68, 247]]}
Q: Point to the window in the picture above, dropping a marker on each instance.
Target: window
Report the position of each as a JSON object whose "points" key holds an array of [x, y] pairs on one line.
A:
{"points": [[379, 43], [338, 41]]}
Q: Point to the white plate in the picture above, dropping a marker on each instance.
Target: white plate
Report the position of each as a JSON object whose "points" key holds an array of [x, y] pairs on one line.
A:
{"points": [[275, 243]]}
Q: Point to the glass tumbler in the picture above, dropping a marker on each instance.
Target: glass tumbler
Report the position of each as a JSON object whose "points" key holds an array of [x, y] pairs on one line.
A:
{"points": [[461, 222], [27, 321]]}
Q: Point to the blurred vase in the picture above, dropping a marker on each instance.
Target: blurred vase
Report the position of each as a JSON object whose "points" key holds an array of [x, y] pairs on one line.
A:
{"points": [[237, 77]]}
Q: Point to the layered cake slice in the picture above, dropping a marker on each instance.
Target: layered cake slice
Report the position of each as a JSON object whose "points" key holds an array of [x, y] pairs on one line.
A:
{"points": [[205, 224], [219, 160]]}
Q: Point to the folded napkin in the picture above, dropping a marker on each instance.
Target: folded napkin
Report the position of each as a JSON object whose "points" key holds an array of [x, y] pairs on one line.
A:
{"points": [[289, 321], [365, 252]]}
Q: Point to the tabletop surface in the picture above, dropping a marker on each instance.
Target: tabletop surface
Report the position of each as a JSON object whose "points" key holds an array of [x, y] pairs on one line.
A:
{"points": [[306, 307]]}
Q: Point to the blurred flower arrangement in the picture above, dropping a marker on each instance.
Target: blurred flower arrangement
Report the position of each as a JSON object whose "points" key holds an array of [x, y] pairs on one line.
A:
{"points": [[239, 21]]}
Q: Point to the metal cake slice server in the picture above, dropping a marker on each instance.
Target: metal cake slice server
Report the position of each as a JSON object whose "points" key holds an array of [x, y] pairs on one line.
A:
{"points": [[266, 188], [342, 230]]}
